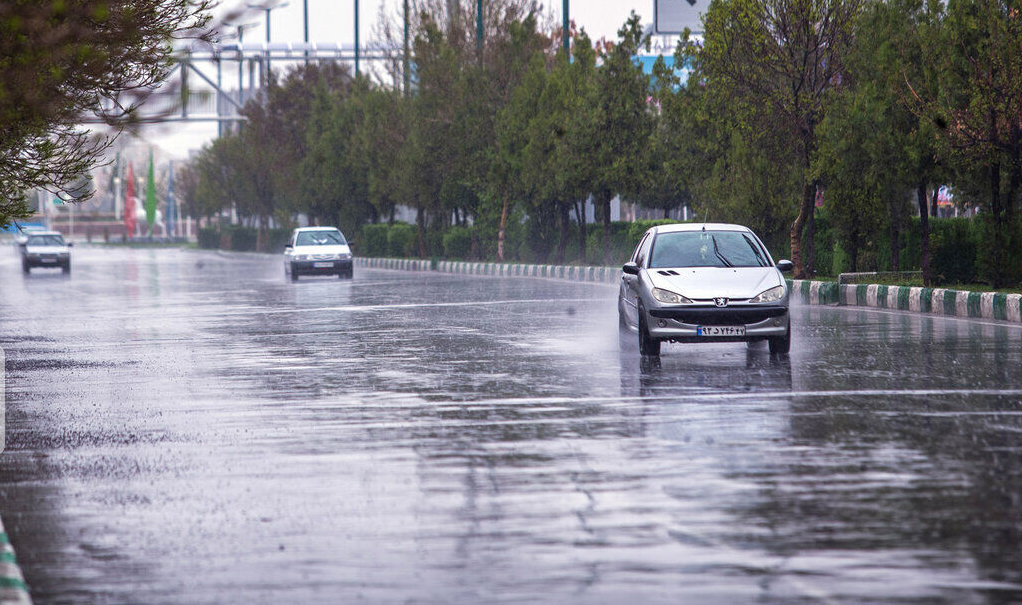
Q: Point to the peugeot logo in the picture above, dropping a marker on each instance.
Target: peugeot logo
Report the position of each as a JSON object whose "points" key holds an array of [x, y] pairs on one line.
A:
{"points": [[720, 302]]}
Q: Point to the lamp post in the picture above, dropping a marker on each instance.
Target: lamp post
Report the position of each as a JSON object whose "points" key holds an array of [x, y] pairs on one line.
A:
{"points": [[356, 38], [267, 8], [565, 23], [241, 59]]}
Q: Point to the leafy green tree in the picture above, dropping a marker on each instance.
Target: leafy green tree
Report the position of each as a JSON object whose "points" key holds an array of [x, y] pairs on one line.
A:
{"points": [[615, 130], [64, 60], [781, 58], [970, 86]]}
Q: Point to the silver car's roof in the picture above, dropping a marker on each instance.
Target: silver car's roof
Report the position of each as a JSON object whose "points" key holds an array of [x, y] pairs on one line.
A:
{"points": [[699, 227]]}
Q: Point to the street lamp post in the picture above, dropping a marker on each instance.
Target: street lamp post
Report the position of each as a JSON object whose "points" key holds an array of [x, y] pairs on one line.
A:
{"points": [[266, 60]]}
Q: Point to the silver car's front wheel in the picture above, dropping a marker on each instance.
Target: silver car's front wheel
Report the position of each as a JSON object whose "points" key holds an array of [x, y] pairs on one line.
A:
{"points": [[648, 346]]}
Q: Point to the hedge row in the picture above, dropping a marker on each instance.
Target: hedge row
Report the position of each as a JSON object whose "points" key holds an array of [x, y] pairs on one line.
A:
{"points": [[242, 239], [956, 250]]}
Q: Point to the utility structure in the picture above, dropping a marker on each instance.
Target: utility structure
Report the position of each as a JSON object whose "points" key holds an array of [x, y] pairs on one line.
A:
{"points": [[219, 104]]}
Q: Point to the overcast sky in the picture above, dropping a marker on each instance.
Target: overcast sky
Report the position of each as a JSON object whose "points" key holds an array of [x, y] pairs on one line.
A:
{"points": [[333, 21]]}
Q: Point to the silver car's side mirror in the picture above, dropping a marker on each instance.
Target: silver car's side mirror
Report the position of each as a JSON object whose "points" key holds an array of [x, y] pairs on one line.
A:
{"points": [[630, 268], [785, 265]]}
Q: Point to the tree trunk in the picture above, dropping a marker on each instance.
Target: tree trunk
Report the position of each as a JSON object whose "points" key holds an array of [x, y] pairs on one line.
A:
{"points": [[924, 233], [808, 197], [390, 220], [606, 230], [562, 243], [811, 241], [420, 221], [501, 229], [895, 240], [583, 231]]}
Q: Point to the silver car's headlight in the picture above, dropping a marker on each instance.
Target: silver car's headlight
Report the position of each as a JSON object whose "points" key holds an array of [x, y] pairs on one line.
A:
{"points": [[771, 295], [671, 298]]}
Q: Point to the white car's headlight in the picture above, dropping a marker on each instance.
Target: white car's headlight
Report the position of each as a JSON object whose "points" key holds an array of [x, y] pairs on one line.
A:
{"points": [[344, 255], [304, 257], [771, 295], [671, 298]]}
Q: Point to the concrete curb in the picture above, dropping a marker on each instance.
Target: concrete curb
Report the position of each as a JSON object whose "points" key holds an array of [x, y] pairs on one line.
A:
{"points": [[606, 275], [12, 583], [939, 301]]}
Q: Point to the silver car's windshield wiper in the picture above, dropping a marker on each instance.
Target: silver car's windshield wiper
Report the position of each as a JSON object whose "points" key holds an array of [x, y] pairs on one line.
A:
{"points": [[755, 250], [716, 251]]}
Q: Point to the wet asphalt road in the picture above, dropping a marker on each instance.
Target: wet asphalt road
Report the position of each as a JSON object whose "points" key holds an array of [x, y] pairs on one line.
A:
{"points": [[188, 427]]}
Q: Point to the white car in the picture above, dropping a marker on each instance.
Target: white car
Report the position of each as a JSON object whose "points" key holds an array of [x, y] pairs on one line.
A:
{"points": [[704, 283], [318, 251], [45, 249]]}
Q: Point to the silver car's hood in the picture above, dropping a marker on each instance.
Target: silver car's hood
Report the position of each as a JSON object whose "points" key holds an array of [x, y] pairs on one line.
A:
{"points": [[711, 282]]}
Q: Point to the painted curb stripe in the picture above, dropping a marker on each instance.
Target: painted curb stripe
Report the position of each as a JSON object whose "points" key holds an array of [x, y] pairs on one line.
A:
{"points": [[12, 582]]}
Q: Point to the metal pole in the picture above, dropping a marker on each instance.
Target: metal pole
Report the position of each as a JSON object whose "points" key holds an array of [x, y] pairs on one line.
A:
{"points": [[407, 76], [241, 66], [565, 24], [266, 79], [219, 95], [356, 38], [305, 22], [479, 28]]}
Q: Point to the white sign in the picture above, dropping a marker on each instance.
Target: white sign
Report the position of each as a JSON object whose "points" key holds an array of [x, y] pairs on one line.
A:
{"points": [[673, 16]]}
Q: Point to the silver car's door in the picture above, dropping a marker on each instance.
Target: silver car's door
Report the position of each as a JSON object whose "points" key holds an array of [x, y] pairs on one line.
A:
{"points": [[629, 293]]}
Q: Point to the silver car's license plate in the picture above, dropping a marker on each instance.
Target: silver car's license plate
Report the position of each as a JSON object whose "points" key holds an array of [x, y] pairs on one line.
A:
{"points": [[322, 265], [720, 330]]}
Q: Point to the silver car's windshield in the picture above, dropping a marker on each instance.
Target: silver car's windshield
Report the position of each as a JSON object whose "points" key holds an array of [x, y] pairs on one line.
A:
{"points": [[707, 249], [320, 238], [45, 240]]}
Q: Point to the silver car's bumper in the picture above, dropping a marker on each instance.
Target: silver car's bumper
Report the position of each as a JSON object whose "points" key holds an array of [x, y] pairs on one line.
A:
{"points": [[682, 324]]}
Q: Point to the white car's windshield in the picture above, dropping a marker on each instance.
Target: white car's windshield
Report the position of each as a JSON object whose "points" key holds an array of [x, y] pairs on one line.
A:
{"points": [[45, 240], [320, 238], [707, 249]]}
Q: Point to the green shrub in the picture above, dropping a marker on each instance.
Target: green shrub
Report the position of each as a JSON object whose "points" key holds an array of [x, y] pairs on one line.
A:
{"points": [[209, 238], [401, 240], [621, 245], [953, 247], [457, 242], [372, 240], [998, 250]]}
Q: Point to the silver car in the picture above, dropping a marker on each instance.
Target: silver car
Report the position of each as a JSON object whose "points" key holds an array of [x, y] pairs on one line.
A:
{"points": [[704, 283], [46, 249], [318, 251]]}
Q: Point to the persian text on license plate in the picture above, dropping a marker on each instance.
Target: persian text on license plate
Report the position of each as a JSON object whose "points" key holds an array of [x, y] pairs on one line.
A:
{"points": [[322, 265], [720, 330]]}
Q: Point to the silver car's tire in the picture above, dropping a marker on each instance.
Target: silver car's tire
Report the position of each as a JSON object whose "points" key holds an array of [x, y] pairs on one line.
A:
{"points": [[648, 346], [781, 344]]}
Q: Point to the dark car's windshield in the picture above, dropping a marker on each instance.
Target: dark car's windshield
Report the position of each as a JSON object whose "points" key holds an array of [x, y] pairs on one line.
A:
{"points": [[320, 238], [45, 240], [707, 249]]}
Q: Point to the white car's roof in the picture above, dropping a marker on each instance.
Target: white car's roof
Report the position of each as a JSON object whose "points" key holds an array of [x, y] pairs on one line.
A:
{"points": [[699, 227], [33, 233], [317, 229]]}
